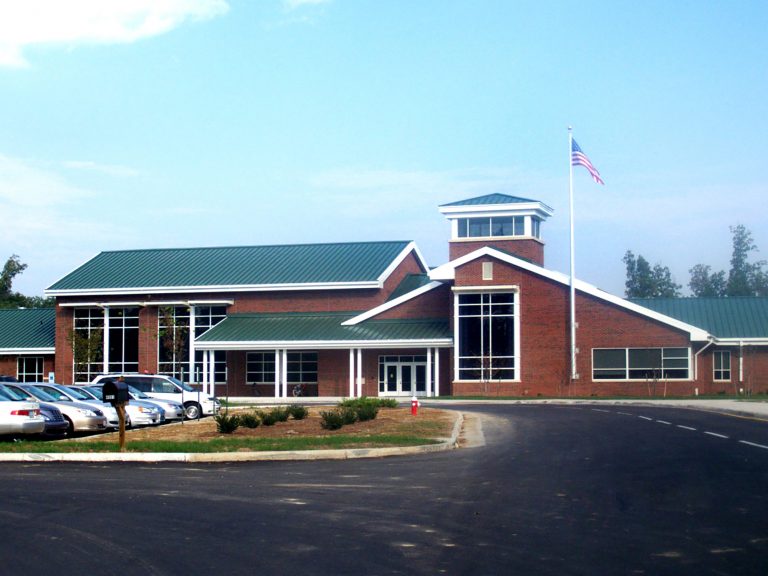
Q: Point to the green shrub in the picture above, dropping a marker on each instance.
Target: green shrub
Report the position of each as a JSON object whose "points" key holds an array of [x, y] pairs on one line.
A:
{"points": [[331, 419], [387, 402], [250, 420], [281, 414], [226, 424], [348, 415], [267, 418], [298, 412], [366, 411]]}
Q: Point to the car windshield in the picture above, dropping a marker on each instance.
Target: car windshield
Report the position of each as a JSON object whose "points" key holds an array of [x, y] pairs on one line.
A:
{"points": [[79, 394], [40, 394], [184, 386], [57, 395], [97, 393], [136, 393], [11, 394]]}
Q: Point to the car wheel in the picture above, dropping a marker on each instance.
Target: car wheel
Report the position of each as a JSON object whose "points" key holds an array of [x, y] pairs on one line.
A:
{"points": [[70, 428], [192, 410]]}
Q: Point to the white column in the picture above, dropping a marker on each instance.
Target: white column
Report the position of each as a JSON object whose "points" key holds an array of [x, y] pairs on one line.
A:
{"points": [[192, 375], [211, 372], [205, 371], [277, 373], [105, 342], [359, 372], [285, 374], [429, 372], [351, 372], [437, 371]]}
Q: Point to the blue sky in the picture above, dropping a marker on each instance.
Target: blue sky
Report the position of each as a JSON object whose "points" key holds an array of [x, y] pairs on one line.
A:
{"points": [[174, 123]]}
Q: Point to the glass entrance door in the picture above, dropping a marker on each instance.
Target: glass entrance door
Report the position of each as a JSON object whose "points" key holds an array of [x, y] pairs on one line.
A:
{"points": [[404, 379]]}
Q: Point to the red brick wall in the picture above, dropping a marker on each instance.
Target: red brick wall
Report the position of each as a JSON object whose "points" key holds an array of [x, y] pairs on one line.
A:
{"points": [[9, 364], [545, 338], [529, 249], [436, 303]]}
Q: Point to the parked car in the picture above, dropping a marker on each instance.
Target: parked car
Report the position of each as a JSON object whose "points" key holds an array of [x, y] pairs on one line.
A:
{"points": [[64, 393], [19, 417], [55, 423], [137, 413], [196, 403], [80, 417], [172, 409]]}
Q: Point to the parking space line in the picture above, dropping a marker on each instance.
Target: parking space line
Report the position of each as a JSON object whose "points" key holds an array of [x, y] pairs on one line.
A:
{"points": [[716, 434], [686, 427], [764, 447]]}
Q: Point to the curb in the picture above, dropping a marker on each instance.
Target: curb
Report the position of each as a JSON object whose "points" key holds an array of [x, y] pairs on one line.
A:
{"points": [[274, 456]]}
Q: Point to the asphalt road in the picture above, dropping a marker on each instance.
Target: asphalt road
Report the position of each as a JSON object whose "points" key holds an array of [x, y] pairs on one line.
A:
{"points": [[556, 490]]}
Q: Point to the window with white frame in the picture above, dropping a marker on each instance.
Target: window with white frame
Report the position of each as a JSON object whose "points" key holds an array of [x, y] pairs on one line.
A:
{"points": [[30, 369], [491, 226], [173, 330], [87, 343], [260, 367], [301, 367], [123, 353], [722, 364], [487, 336], [641, 363]]}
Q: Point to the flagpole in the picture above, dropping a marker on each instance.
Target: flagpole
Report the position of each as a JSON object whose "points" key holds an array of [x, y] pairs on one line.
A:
{"points": [[574, 374]]}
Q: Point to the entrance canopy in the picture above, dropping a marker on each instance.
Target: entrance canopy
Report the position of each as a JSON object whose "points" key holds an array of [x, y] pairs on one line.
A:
{"points": [[322, 331]]}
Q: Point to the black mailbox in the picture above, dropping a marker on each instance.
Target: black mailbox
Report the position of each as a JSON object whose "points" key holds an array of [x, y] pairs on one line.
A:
{"points": [[115, 392]]}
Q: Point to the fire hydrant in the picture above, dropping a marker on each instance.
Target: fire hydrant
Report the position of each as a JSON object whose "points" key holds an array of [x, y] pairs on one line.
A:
{"points": [[414, 406]]}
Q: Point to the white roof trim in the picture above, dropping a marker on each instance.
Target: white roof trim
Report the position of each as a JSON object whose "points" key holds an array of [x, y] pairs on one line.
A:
{"points": [[100, 304], [208, 289], [741, 341], [508, 208], [26, 351], [411, 247], [391, 304], [447, 272], [323, 344]]}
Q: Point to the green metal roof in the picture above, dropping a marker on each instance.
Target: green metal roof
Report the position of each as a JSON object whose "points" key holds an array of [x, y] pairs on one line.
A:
{"points": [[233, 266], [721, 317], [321, 327], [410, 283], [490, 199], [32, 328]]}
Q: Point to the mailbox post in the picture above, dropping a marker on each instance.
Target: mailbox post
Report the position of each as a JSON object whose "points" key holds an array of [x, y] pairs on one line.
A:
{"points": [[116, 393]]}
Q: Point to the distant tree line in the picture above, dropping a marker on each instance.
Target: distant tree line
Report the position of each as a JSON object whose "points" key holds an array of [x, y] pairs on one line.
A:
{"points": [[10, 299], [744, 278]]}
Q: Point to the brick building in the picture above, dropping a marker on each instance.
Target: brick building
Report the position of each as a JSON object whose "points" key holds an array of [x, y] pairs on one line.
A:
{"points": [[371, 318]]}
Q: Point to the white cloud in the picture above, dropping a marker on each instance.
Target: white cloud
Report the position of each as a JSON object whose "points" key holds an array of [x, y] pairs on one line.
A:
{"points": [[33, 22]]}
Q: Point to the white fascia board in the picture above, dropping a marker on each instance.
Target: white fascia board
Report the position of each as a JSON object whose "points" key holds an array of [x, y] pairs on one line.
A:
{"points": [[741, 341], [447, 272], [100, 304], [517, 208], [411, 247], [391, 304], [324, 344], [208, 289], [26, 351]]}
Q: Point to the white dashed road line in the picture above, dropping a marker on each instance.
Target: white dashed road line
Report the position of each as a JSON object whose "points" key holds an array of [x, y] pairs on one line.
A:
{"points": [[645, 418], [716, 434], [664, 422], [686, 427], [753, 444]]}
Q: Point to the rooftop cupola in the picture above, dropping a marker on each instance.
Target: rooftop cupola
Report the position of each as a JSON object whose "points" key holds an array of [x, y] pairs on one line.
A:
{"points": [[505, 222]]}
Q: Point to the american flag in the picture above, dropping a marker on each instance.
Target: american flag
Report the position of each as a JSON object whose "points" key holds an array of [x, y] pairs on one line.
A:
{"points": [[578, 158]]}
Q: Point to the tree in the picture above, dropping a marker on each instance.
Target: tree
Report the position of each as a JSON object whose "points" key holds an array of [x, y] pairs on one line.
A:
{"points": [[10, 299], [644, 281], [744, 278], [705, 284]]}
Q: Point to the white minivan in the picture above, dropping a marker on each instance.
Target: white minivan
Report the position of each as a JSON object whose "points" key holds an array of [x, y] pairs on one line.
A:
{"points": [[196, 403]]}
